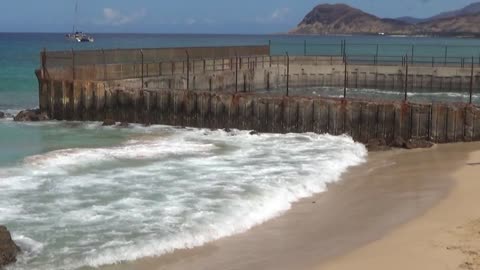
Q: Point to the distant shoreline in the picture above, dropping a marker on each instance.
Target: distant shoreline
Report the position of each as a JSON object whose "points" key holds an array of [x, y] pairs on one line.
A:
{"points": [[286, 34]]}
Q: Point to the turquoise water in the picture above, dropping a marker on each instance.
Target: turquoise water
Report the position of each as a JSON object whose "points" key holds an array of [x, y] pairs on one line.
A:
{"points": [[82, 195], [20, 53]]}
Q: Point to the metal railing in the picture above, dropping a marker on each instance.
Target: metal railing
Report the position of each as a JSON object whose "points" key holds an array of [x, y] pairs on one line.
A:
{"points": [[383, 53], [466, 85], [108, 65]]}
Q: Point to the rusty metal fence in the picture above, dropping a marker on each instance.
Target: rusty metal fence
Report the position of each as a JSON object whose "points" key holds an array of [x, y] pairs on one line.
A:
{"points": [[384, 53], [110, 65], [353, 79], [115, 64]]}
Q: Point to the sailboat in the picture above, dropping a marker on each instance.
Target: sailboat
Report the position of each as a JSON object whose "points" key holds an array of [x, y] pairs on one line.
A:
{"points": [[77, 35]]}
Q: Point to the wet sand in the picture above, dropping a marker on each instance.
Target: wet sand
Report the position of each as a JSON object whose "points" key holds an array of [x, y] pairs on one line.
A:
{"points": [[374, 199], [446, 237]]}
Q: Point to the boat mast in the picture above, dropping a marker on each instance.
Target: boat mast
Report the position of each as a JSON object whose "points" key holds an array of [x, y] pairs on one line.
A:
{"points": [[75, 17]]}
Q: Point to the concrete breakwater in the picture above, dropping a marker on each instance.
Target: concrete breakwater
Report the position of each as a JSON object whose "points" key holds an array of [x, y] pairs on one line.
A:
{"points": [[219, 92], [363, 120]]}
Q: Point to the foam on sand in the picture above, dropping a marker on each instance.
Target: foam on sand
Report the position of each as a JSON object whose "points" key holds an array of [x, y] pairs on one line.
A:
{"points": [[172, 189]]}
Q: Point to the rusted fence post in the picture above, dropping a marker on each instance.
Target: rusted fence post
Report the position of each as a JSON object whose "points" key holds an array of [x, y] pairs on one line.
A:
{"points": [[288, 71], [446, 53], [73, 65], [413, 50], [236, 72], [104, 65], [142, 60], [305, 47], [406, 79], [376, 55], [188, 69], [471, 83], [345, 80], [44, 62]]}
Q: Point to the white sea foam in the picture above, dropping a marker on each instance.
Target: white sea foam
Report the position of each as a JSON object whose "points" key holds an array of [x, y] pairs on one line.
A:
{"points": [[165, 189], [385, 94]]}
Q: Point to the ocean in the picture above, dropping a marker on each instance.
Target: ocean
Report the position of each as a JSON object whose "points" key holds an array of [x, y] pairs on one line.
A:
{"points": [[79, 195]]}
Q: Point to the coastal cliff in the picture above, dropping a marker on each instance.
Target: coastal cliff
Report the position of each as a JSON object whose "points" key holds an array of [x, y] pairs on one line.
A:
{"points": [[343, 19]]}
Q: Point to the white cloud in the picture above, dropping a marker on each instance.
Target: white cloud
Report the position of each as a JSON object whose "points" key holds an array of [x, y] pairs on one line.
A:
{"points": [[190, 21], [278, 15], [115, 17], [208, 21]]}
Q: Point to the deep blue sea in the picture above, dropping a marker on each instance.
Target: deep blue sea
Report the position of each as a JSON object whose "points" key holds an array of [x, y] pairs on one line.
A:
{"points": [[79, 195]]}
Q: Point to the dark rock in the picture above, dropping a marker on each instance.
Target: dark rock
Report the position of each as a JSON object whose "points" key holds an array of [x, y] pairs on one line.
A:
{"points": [[8, 248], [31, 116], [109, 122], [375, 145], [411, 144], [2, 115], [398, 142], [253, 132], [227, 130], [124, 125], [418, 143]]}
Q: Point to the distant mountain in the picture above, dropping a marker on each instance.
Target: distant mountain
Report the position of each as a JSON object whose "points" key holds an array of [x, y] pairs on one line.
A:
{"points": [[468, 10], [343, 19], [410, 20], [468, 24]]}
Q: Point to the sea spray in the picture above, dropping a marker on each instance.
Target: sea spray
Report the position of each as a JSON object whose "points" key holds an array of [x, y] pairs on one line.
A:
{"points": [[163, 189]]}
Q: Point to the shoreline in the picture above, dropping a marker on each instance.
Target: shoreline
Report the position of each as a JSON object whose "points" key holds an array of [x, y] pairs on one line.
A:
{"points": [[390, 190], [445, 237]]}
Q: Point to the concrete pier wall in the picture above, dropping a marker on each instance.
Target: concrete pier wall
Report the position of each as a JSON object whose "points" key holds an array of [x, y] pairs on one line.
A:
{"points": [[266, 72], [219, 92], [363, 120]]}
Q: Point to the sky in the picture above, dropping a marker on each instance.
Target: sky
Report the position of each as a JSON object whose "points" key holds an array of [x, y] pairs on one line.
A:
{"points": [[191, 16]]}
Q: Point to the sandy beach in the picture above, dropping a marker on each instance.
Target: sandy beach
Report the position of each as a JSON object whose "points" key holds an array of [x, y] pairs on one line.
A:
{"points": [[446, 237], [401, 209]]}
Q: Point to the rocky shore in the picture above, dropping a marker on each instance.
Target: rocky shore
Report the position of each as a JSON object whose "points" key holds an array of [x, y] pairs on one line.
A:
{"points": [[8, 248], [376, 145], [31, 116]]}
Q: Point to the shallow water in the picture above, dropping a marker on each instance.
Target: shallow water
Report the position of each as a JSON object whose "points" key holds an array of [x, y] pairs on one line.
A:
{"points": [[160, 189]]}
